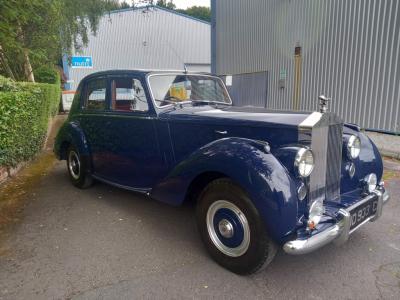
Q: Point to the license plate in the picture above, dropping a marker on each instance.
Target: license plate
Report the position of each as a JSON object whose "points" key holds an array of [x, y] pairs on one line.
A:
{"points": [[362, 212]]}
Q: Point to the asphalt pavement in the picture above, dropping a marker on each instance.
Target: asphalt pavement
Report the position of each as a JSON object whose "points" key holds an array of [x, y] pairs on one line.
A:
{"points": [[107, 243]]}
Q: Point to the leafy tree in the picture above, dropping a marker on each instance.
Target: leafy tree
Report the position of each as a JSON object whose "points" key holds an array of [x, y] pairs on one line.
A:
{"points": [[167, 4], [35, 32], [123, 5], [199, 12]]}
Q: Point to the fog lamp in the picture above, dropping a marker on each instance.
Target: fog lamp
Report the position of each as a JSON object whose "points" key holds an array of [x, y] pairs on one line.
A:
{"points": [[315, 214], [371, 181]]}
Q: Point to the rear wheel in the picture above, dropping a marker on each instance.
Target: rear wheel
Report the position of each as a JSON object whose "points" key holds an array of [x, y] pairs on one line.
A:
{"points": [[78, 169], [231, 228]]}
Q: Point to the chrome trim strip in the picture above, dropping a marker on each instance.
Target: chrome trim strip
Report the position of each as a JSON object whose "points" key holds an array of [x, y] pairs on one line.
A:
{"points": [[125, 187]]}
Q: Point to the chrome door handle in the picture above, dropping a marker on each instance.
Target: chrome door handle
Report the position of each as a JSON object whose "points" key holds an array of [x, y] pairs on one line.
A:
{"points": [[221, 132]]}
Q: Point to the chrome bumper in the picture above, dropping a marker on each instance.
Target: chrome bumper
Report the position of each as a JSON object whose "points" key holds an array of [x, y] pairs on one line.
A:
{"points": [[338, 233]]}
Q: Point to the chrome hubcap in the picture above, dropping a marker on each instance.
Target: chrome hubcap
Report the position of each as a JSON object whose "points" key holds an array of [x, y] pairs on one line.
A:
{"points": [[225, 228], [228, 228], [74, 165]]}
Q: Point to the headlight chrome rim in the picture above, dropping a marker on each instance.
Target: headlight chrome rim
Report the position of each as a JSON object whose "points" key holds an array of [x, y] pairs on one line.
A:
{"points": [[303, 157], [353, 147]]}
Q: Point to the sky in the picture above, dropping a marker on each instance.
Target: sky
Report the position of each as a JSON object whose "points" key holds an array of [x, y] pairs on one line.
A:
{"points": [[188, 3], [185, 3]]}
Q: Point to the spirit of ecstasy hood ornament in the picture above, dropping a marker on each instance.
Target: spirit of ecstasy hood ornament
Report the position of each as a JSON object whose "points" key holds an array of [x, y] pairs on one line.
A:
{"points": [[323, 103]]}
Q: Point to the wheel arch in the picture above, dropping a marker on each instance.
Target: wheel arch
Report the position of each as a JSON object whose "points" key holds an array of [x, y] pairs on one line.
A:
{"points": [[63, 149], [249, 165], [71, 134], [199, 183]]}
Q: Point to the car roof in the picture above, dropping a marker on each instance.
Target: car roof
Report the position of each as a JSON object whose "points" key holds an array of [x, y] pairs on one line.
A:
{"points": [[139, 71]]}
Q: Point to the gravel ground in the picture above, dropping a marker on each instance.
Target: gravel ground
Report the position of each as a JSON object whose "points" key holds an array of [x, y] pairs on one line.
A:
{"points": [[106, 243]]}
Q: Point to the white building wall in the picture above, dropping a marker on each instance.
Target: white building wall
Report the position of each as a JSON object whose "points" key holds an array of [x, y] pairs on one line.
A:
{"points": [[146, 38]]}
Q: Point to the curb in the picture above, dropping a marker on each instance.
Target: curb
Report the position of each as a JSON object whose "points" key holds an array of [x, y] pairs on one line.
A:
{"points": [[390, 154], [9, 172]]}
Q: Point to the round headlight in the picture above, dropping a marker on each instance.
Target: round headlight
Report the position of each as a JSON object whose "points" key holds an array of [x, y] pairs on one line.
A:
{"points": [[353, 147], [371, 181], [315, 214], [304, 162]]}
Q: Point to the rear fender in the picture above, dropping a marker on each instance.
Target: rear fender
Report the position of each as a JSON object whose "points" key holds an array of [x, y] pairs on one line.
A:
{"points": [[251, 166], [71, 133]]}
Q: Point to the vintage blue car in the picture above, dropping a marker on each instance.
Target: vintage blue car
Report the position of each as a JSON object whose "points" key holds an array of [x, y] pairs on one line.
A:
{"points": [[261, 179]]}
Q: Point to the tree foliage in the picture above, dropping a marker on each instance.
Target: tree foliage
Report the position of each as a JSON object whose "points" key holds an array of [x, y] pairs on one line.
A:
{"points": [[36, 32], [199, 12], [167, 4]]}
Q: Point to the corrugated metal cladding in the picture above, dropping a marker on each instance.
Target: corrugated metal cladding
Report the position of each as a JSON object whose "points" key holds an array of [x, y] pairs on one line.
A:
{"points": [[249, 89], [152, 38], [350, 51]]}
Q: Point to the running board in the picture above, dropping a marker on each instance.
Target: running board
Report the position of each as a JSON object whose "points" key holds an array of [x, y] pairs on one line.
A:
{"points": [[125, 187]]}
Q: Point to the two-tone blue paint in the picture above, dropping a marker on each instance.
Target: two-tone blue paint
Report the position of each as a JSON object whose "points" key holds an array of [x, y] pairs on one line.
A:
{"points": [[167, 152]]}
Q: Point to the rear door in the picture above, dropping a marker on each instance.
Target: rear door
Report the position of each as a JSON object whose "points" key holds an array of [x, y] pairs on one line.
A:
{"points": [[134, 158], [92, 119]]}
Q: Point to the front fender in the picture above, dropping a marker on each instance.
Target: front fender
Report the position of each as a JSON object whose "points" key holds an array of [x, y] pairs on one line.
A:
{"points": [[71, 133], [369, 161], [246, 162]]}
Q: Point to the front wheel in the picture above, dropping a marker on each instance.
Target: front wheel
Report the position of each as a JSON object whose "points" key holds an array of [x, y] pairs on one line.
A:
{"points": [[78, 169], [231, 228]]}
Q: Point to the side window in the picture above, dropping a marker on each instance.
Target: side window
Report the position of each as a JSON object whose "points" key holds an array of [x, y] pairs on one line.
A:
{"points": [[96, 95], [127, 94]]}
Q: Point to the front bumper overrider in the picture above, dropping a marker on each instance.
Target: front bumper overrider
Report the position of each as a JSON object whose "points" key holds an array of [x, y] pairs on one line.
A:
{"points": [[339, 232]]}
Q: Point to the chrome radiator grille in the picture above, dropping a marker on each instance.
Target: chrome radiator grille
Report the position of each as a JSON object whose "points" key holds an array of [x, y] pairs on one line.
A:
{"points": [[326, 144], [333, 163]]}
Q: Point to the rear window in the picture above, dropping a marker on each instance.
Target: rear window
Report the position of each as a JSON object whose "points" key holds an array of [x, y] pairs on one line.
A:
{"points": [[96, 95]]}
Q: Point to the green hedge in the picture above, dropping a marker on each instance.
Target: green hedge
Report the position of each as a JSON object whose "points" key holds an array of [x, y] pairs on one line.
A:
{"points": [[25, 109], [46, 74]]}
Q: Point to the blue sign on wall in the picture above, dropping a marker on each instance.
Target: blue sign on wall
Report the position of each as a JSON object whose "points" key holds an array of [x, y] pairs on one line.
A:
{"points": [[81, 62]]}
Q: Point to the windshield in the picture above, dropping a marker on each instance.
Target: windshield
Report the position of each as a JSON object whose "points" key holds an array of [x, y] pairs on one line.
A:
{"points": [[176, 88]]}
